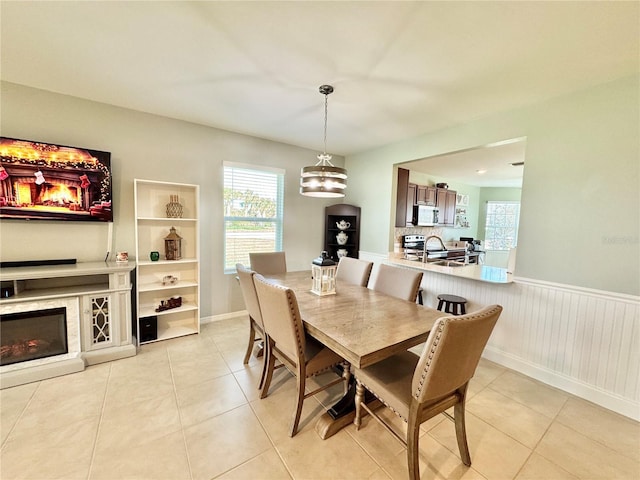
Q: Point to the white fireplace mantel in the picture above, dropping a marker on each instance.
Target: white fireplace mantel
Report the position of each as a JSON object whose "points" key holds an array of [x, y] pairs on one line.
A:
{"points": [[97, 299]]}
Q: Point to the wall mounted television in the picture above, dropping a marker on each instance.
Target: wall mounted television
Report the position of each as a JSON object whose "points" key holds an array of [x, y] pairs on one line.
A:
{"points": [[44, 181]]}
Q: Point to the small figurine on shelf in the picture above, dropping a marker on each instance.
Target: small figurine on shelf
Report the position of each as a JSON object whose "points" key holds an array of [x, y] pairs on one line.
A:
{"points": [[173, 302]]}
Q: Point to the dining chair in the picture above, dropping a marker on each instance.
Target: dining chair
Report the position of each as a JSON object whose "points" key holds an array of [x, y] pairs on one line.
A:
{"points": [[354, 271], [419, 388], [268, 263], [256, 326], [398, 282], [289, 343]]}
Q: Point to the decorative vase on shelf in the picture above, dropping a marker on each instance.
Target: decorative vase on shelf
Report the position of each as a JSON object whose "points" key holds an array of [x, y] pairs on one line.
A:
{"points": [[174, 208], [342, 238]]}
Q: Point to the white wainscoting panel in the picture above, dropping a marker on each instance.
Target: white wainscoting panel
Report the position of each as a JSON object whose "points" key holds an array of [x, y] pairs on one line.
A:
{"points": [[583, 341]]}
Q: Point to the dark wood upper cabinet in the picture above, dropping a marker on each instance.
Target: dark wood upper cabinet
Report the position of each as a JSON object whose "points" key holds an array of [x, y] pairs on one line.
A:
{"points": [[446, 203], [402, 195], [425, 195]]}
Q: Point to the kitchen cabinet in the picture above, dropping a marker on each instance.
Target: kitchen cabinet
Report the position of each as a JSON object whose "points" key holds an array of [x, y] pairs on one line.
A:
{"points": [[446, 203], [426, 195], [345, 215], [174, 282], [411, 201], [403, 199]]}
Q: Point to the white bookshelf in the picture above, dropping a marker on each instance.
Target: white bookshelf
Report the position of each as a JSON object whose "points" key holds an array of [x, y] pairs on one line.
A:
{"points": [[152, 226]]}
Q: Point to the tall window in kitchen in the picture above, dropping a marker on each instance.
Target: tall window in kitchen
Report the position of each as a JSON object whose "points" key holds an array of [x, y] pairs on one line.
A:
{"points": [[501, 229], [253, 210]]}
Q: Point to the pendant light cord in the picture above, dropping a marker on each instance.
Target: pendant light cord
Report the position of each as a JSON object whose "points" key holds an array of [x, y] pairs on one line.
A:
{"points": [[326, 98]]}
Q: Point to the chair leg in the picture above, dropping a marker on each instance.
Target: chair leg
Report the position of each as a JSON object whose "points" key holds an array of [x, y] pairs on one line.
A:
{"points": [[265, 364], [358, 399], [252, 339], [270, 360], [413, 452], [298, 411], [461, 432]]}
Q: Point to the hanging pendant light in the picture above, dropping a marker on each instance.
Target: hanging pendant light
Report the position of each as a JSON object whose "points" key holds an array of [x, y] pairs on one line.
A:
{"points": [[323, 179]]}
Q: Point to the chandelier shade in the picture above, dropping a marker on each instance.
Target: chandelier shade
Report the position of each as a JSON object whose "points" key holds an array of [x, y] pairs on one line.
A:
{"points": [[323, 179]]}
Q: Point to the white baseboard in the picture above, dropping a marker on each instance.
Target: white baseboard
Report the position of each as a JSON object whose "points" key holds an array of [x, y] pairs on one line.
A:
{"points": [[583, 390], [223, 316]]}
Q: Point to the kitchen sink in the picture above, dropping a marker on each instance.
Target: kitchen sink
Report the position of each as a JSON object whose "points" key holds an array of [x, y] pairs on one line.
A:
{"points": [[447, 263]]}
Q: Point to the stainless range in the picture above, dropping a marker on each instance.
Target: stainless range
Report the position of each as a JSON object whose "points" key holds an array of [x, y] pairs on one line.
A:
{"points": [[415, 249]]}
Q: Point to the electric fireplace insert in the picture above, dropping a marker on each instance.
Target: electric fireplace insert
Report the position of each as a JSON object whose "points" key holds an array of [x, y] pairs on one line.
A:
{"points": [[30, 335]]}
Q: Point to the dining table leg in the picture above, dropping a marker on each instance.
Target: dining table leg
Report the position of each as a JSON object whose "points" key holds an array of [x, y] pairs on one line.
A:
{"points": [[343, 412]]}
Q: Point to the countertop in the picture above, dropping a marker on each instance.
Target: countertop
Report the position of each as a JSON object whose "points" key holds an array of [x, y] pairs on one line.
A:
{"points": [[481, 273]]}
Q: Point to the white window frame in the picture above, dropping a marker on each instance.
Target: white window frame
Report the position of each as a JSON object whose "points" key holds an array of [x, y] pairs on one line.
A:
{"points": [[277, 221], [488, 241]]}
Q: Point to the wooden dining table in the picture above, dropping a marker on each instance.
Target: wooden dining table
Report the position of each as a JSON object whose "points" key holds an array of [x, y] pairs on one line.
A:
{"points": [[361, 325]]}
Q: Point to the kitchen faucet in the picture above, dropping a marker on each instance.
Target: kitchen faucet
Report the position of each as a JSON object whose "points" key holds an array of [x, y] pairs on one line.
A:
{"points": [[426, 240]]}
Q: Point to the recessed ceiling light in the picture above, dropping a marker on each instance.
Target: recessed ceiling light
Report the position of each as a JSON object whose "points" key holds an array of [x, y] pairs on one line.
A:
{"points": [[480, 172]]}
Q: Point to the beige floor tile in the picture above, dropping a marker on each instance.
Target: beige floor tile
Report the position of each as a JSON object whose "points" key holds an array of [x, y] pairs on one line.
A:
{"points": [[584, 457], [161, 458], [64, 453], [249, 379], [275, 412], [510, 417], [13, 402], [439, 463], [122, 389], [494, 454], [193, 369], [46, 414], [539, 468], [207, 399], [63, 400], [615, 431], [307, 456], [266, 466], [538, 396], [485, 373], [221, 443], [234, 357], [383, 447], [137, 422]]}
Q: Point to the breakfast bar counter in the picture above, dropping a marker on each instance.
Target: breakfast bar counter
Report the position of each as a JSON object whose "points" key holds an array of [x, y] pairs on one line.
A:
{"points": [[482, 273]]}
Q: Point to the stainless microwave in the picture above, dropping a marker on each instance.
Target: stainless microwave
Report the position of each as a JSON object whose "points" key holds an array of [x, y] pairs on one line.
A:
{"points": [[425, 216]]}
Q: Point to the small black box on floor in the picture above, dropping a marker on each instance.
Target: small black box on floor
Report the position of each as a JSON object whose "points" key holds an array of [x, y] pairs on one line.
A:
{"points": [[148, 329]]}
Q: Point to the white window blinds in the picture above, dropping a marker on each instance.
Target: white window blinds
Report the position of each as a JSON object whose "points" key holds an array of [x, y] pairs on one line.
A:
{"points": [[253, 208]]}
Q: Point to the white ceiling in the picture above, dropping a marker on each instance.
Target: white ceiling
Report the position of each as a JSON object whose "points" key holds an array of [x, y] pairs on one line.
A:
{"points": [[486, 166], [399, 69]]}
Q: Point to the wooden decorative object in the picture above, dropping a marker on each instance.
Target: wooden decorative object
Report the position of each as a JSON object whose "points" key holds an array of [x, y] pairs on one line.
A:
{"points": [[173, 245]]}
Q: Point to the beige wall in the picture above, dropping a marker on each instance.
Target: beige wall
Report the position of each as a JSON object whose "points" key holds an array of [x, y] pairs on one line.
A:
{"points": [[155, 148], [580, 197]]}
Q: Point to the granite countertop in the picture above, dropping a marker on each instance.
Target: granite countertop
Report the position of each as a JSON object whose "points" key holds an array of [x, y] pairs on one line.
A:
{"points": [[481, 273]]}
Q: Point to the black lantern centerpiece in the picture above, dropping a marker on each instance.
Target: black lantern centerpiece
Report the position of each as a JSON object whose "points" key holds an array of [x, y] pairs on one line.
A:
{"points": [[173, 245]]}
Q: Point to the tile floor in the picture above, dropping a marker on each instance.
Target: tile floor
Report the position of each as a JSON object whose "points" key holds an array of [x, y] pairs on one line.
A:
{"points": [[189, 409]]}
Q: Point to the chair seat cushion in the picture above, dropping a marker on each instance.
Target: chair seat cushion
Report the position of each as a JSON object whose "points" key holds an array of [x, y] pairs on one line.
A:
{"points": [[390, 381], [319, 358]]}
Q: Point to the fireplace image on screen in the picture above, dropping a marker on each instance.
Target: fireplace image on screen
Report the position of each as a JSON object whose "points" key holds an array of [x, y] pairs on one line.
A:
{"points": [[31, 335], [54, 182]]}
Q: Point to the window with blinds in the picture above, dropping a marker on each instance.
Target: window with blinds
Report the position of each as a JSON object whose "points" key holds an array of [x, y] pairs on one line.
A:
{"points": [[253, 210], [501, 227]]}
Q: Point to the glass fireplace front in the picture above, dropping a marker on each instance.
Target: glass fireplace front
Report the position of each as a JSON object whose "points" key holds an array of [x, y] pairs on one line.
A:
{"points": [[29, 335]]}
